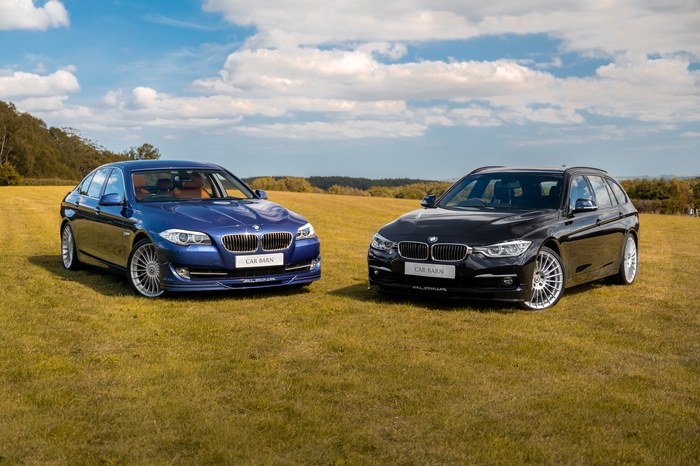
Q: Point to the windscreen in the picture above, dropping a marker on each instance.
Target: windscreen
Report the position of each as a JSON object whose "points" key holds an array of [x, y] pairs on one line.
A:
{"points": [[505, 191], [187, 184]]}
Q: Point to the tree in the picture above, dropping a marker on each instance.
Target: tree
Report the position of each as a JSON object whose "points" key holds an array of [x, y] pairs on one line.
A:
{"points": [[682, 193], [144, 152], [9, 176]]}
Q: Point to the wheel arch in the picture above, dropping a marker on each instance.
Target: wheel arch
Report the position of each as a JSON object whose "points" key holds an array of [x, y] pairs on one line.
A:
{"points": [[552, 244]]}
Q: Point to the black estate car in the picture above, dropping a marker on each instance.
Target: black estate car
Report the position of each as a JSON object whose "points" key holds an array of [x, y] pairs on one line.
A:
{"points": [[511, 234]]}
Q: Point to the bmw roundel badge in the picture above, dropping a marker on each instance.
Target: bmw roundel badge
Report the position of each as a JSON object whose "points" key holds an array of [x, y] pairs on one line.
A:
{"points": [[256, 227], [432, 239]]}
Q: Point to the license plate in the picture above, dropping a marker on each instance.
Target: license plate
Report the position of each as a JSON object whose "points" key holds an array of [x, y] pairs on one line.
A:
{"points": [[260, 260], [430, 270]]}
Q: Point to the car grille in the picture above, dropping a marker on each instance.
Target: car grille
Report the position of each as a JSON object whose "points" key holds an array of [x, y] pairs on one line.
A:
{"points": [[276, 241], [413, 250], [240, 243], [449, 252]]}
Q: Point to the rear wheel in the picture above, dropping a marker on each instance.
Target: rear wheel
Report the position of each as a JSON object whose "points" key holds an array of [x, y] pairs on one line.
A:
{"points": [[143, 269], [629, 263], [547, 281], [69, 253]]}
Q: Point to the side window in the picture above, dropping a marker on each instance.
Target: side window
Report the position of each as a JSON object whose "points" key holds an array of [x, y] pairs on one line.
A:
{"points": [[601, 191], [579, 190], [115, 183], [618, 191], [85, 184], [97, 182]]}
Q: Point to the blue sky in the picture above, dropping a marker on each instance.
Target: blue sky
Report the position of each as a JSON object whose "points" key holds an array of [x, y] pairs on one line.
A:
{"points": [[420, 89]]}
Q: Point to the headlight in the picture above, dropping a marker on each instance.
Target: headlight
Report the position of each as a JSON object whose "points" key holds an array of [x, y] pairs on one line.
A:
{"points": [[381, 243], [507, 249], [184, 237], [306, 232]]}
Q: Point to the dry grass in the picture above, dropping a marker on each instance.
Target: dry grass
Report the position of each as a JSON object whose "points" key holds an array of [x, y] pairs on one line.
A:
{"points": [[90, 373]]}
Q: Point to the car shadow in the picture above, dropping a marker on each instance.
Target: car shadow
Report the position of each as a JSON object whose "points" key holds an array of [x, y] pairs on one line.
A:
{"points": [[361, 292], [104, 281], [113, 283]]}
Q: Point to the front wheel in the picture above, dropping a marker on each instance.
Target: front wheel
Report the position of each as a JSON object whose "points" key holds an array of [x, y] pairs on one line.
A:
{"points": [[547, 281], [69, 253], [629, 263], [143, 269]]}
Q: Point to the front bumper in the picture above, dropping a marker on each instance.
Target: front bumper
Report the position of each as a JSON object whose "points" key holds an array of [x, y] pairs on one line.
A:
{"points": [[211, 269], [476, 277]]}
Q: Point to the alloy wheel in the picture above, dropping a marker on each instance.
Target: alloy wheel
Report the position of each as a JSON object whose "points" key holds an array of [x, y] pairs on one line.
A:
{"points": [[145, 271], [547, 281], [630, 259]]}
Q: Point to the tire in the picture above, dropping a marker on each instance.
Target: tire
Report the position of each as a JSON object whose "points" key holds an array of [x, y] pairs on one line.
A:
{"points": [[143, 270], [629, 265], [69, 252], [548, 281]]}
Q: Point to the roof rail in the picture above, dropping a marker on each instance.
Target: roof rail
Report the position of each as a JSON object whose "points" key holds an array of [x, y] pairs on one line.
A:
{"points": [[585, 168], [485, 168]]}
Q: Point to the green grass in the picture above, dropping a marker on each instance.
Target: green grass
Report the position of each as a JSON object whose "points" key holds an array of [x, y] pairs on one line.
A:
{"points": [[335, 374]]}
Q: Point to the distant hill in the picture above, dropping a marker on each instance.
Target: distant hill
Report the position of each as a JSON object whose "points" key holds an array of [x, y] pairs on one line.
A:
{"points": [[325, 182], [30, 149]]}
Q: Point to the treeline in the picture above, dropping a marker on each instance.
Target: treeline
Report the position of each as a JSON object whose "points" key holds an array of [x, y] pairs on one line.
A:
{"points": [[29, 149], [663, 196], [415, 189]]}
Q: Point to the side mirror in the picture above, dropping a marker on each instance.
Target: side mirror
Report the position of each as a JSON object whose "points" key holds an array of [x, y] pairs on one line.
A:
{"points": [[428, 201], [261, 194], [585, 205], [111, 199]]}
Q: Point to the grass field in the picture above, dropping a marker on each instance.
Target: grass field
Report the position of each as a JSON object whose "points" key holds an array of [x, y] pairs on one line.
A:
{"points": [[335, 374]]}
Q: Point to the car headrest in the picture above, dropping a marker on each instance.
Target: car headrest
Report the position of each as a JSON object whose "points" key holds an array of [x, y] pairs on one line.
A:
{"points": [[164, 185], [195, 181], [139, 181]]}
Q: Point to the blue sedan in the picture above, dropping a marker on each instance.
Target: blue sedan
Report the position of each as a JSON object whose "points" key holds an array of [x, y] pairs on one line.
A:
{"points": [[177, 226]]}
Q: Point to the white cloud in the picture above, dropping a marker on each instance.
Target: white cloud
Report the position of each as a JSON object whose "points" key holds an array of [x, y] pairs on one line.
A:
{"points": [[352, 129], [646, 25], [690, 134], [111, 98], [40, 68], [20, 84], [23, 14]]}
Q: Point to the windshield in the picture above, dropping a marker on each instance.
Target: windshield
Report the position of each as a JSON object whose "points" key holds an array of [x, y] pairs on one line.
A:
{"points": [[187, 184], [505, 191]]}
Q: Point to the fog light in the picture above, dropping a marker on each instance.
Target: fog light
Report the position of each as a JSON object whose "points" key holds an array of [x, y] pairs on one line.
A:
{"points": [[507, 281], [183, 272]]}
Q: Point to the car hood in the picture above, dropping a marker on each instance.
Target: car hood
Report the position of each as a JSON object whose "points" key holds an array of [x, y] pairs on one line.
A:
{"points": [[214, 214], [479, 226]]}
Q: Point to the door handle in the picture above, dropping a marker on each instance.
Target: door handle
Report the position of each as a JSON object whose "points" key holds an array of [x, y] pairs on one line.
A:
{"points": [[598, 220], [97, 209], [621, 214]]}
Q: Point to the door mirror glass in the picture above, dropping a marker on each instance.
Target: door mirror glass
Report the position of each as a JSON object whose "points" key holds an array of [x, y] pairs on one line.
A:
{"points": [[585, 205], [428, 201], [110, 199]]}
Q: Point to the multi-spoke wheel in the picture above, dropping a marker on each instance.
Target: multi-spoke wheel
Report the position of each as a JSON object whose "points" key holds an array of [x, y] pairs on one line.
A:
{"points": [[547, 281], [69, 255], [143, 269], [628, 264]]}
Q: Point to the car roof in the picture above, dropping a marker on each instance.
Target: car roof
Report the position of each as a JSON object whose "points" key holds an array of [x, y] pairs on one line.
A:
{"points": [[134, 165], [539, 170]]}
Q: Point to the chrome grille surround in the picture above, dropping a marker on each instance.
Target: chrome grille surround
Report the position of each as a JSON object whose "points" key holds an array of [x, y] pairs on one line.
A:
{"points": [[413, 250], [246, 242], [276, 241], [448, 252]]}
